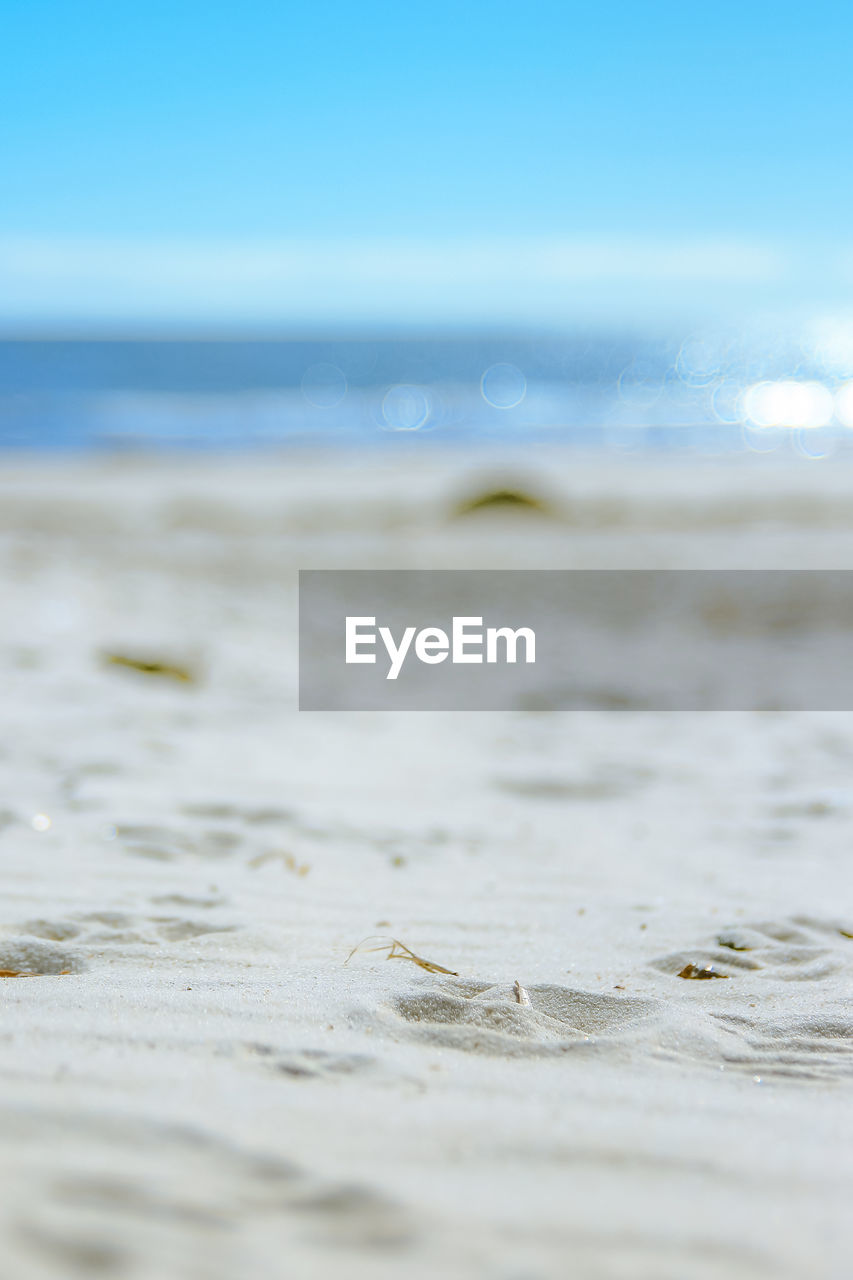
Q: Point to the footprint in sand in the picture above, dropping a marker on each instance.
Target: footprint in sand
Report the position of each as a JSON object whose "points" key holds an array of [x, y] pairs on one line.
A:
{"points": [[484, 1018], [489, 1019], [167, 844], [216, 830], [810, 1049], [313, 1064], [33, 946], [20, 956], [608, 783], [796, 950], [145, 1191], [817, 1047]]}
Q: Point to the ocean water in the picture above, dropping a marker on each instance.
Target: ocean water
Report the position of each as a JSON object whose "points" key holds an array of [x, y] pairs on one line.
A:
{"points": [[598, 391]]}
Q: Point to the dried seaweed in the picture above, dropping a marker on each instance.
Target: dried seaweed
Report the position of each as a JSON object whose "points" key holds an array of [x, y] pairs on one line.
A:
{"points": [[706, 971], [502, 500], [399, 951], [30, 973], [150, 667], [287, 860]]}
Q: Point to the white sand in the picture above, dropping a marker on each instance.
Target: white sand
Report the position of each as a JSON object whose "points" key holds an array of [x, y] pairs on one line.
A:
{"points": [[210, 1093]]}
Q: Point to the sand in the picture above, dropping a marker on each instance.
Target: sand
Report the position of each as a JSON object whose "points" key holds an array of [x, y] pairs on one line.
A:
{"points": [[194, 1084]]}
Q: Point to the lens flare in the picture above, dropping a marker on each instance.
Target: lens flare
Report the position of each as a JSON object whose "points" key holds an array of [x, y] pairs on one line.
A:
{"points": [[324, 386], [503, 386], [406, 408], [699, 362], [791, 404]]}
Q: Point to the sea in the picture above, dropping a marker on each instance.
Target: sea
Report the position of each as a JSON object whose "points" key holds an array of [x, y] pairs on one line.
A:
{"points": [[619, 391]]}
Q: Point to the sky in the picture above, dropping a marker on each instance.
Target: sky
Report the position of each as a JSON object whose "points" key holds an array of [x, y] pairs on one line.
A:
{"points": [[460, 163]]}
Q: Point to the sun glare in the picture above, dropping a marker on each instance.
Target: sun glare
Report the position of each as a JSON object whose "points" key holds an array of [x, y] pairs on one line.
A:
{"points": [[844, 404], [788, 404]]}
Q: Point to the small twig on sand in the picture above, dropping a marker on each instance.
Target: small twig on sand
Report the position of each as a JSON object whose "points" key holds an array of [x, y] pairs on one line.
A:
{"points": [[399, 951], [520, 994]]}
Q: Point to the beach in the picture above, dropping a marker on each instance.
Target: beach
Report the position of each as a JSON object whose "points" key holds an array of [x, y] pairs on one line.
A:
{"points": [[197, 1081]]}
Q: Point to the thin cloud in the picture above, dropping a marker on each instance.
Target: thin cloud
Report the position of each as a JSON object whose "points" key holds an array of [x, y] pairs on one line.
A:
{"points": [[371, 280]]}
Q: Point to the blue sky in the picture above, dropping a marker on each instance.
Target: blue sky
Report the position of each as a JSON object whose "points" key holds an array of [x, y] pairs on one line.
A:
{"points": [[203, 160]]}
